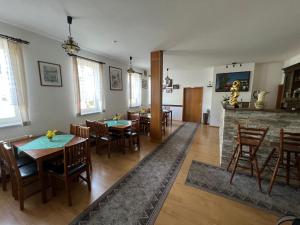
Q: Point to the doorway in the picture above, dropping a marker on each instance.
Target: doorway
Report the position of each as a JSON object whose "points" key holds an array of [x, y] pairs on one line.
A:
{"points": [[192, 104]]}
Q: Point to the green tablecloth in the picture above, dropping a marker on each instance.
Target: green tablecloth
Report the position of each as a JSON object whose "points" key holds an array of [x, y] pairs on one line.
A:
{"points": [[43, 142], [111, 123]]}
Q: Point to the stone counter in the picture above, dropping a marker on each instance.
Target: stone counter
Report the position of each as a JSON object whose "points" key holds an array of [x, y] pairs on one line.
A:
{"points": [[274, 119]]}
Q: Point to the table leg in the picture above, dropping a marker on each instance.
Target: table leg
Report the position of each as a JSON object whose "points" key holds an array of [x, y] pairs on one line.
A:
{"points": [[42, 179], [171, 116]]}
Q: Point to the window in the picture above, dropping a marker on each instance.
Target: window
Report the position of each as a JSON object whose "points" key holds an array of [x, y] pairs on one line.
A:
{"points": [[135, 87], [90, 86], [9, 108]]}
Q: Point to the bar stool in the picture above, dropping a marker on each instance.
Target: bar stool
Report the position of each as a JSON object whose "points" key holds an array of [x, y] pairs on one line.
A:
{"points": [[252, 138], [288, 156]]}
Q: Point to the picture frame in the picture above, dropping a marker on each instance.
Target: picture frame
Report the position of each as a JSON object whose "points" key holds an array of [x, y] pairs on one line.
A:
{"points": [[224, 81], [115, 78], [169, 90], [176, 86], [144, 84], [50, 74]]}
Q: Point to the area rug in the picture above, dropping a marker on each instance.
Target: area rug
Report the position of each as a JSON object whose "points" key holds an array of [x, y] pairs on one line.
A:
{"points": [[283, 200], [137, 198]]}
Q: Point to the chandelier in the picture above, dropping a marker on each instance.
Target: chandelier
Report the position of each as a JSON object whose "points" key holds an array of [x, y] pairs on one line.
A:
{"points": [[130, 70], [70, 46]]}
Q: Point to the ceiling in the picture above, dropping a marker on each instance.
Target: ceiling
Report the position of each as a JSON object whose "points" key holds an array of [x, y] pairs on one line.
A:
{"points": [[192, 32]]}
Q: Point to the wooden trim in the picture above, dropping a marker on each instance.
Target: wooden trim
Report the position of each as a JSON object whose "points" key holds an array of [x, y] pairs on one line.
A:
{"points": [[214, 126]]}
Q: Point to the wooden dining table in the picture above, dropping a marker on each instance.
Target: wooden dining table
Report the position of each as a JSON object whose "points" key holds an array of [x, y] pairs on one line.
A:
{"points": [[120, 127], [40, 155]]}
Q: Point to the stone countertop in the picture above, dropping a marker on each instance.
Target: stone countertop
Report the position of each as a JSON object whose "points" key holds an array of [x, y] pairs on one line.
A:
{"points": [[264, 110]]}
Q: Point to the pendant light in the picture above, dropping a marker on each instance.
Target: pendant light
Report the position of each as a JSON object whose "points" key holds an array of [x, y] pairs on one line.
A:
{"points": [[70, 46], [130, 70]]}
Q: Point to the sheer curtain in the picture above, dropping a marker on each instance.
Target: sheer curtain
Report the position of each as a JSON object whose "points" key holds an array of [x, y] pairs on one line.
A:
{"points": [[88, 76], [135, 83], [13, 91]]}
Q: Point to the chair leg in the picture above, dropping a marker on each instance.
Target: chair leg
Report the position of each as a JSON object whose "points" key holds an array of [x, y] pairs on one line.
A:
{"points": [[251, 165], [138, 142], [288, 165], [236, 163], [88, 178], [108, 150], [21, 196], [3, 178], [257, 173], [274, 174], [53, 185], [67, 183], [232, 157], [130, 142]]}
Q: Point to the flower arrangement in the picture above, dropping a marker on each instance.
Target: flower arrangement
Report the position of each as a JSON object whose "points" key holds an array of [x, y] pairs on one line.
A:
{"points": [[50, 134], [142, 110], [117, 116]]}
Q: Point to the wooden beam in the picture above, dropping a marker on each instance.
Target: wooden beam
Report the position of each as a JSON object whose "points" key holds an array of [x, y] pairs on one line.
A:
{"points": [[156, 95]]}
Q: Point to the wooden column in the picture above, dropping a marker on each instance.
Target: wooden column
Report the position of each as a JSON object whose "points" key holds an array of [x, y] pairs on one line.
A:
{"points": [[156, 95]]}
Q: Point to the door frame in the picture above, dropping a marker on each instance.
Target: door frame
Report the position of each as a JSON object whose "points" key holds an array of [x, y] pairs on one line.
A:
{"points": [[183, 108]]}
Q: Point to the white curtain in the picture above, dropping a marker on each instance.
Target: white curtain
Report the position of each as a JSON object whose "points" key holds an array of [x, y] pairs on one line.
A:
{"points": [[88, 76], [13, 91], [135, 83], [18, 71]]}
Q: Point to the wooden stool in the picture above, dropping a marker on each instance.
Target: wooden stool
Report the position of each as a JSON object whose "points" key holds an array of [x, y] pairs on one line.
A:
{"points": [[252, 138], [289, 146]]}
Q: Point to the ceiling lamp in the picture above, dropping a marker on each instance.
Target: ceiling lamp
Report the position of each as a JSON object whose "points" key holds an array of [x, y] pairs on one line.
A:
{"points": [[70, 46], [130, 70]]}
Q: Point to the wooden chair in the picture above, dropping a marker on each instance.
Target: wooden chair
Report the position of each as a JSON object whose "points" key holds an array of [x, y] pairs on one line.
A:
{"points": [[252, 138], [73, 129], [21, 176], [145, 125], [288, 156], [84, 132], [75, 163], [164, 122], [104, 136], [133, 134], [4, 166]]}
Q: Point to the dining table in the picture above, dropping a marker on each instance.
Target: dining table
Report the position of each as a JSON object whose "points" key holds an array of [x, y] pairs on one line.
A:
{"points": [[119, 127], [40, 148]]}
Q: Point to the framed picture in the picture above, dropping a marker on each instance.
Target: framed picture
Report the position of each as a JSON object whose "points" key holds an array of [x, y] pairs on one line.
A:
{"points": [[144, 84], [169, 90], [224, 81], [50, 74], [115, 79], [176, 86]]}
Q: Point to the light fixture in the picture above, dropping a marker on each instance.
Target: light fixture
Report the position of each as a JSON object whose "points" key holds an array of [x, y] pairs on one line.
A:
{"points": [[130, 70], [233, 64], [70, 46]]}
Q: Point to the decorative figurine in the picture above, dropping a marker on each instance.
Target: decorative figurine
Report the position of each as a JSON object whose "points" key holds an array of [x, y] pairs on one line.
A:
{"points": [[260, 98], [234, 93]]}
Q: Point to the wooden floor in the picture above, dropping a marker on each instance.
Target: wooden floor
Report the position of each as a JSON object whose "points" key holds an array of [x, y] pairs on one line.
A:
{"points": [[184, 205]]}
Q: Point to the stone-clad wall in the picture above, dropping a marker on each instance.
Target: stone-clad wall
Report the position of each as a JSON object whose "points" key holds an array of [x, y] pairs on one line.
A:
{"points": [[253, 118]]}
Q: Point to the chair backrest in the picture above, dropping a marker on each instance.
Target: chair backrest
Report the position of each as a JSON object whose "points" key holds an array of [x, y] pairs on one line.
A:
{"points": [[3, 157], [11, 160], [255, 134], [73, 129], [133, 116], [289, 141], [75, 155], [102, 129], [22, 138], [83, 132], [135, 125]]}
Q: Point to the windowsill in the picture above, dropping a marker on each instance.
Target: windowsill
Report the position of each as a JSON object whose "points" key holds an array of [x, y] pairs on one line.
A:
{"points": [[11, 125], [88, 114]]}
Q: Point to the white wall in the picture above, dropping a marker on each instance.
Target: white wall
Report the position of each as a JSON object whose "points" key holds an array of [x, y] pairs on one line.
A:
{"points": [[267, 77], [291, 61], [217, 97], [189, 78], [54, 107]]}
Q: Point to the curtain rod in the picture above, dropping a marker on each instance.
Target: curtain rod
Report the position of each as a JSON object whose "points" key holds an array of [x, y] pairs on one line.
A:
{"points": [[87, 58], [14, 39]]}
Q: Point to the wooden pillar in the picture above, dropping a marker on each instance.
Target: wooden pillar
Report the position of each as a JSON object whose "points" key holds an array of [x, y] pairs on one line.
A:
{"points": [[156, 95]]}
